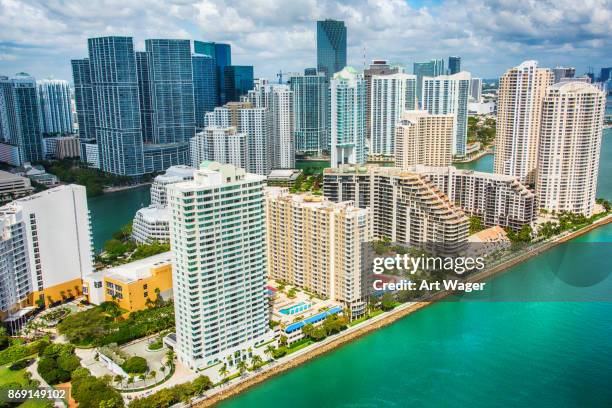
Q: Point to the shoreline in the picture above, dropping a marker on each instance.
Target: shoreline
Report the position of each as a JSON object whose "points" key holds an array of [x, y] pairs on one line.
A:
{"points": [[375, 323], [115, 189], [475, 157]]}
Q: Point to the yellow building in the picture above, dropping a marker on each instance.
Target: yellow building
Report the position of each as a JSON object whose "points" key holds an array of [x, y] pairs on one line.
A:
{"points": [[132, 286]]}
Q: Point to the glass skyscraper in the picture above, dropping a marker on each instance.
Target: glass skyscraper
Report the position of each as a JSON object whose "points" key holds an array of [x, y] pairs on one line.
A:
{"points": [[171, 84], [204, 86], [222, 53], [310, 102], [454, 65], [83, 98], [19, 116], [54, 103], [117, 106], [144, 95], [238, 81], [431, 68], [331, 46]]}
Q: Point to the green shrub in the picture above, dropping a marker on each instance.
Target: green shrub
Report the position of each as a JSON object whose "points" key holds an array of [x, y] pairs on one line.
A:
{"points": [[20, 351], [170, 396], [135, 365]]}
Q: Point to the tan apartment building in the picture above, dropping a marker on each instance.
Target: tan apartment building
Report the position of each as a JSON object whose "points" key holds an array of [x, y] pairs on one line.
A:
{"points": [[423, 138]]}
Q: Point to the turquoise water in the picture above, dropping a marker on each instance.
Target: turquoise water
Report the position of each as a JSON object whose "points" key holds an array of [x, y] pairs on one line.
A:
{"points": [[485, 163], [110, 212], [475, 353], [297, 308]]}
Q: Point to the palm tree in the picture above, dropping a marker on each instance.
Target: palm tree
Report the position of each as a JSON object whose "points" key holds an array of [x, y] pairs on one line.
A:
{"points": [[269, 350], [282, 341], [170, 356], [223, 371], [130, 380], [241, 366], [256, 361], [152, 375]]}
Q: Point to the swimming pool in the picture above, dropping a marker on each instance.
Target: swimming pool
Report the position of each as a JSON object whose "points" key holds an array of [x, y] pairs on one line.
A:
{"points": [[297, 308]]}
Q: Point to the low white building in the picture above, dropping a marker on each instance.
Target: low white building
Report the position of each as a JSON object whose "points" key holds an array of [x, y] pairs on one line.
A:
{"points": [[488, 241], [481, 108], [13, 186], [151, 224]]}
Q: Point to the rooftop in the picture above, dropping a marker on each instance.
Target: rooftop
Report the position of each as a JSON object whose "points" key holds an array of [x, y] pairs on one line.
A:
{"points": [[134, 271]]}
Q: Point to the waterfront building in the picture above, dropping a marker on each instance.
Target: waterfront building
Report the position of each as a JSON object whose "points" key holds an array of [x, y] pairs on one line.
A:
{"points": [[61, 147], [133, 286], [54, 105], [118, 130], [331, 46], [476, 90], [570, 147], [91, 155], [448, 94], [348, 108], [255, 123], [406, 207], [562, 73], [454, 65], [10, 154], [519, 106], [387, 102], [204, 86], [221, 144], [151, 224], [432, 68], [221, 307], [83, 98], [174, 174], [238, 81], [316, 245], [488, 241], [144, 96], [423, 138], [496, 199], [311, 112], [222, 55], [20, 116], [13, 186], [34, 230]]}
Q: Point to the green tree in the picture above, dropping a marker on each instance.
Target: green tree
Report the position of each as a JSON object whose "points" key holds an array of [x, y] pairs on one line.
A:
{"points": [[475, 224], [387, 302], [135, 365]]}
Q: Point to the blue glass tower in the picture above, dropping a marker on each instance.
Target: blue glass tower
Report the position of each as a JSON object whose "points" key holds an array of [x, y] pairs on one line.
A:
{"points": [[222, 53], [204, 86], [310, 104], [144, 96], [171, 85], [454, 65], [19, 116], [117, 106], [83, 98], [431, 68], [331, 46], [238, 81]]}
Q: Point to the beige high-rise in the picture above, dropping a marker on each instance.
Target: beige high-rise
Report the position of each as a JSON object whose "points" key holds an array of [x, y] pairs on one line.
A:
{"points": [[570, 144], [519, 106], [422, 138], [315, 244]]}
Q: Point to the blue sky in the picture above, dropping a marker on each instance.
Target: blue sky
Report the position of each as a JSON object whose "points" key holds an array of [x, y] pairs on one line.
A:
{"points": [[41, 36]]}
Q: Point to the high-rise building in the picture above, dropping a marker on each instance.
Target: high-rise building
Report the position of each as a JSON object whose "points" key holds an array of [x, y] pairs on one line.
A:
{"points": [[83, 98], [221, 306], [174, 174], [387, 102], [331, 46], [311, 107], [446, 94], [476, 89], [222, 54], [423, 138], [238, 81], [377, 67], [144, 96], [282, 127], [570, 146], [255, 123], [204, 86], [171, 81], [432, 68], [454, 65], [221, 144], [605, 74], [20, 116], [496, 199], [562, 73], [33, 231], [117, 106], [519, 107], [304, 249], [54, 102], [347, 116], [406, 207]]}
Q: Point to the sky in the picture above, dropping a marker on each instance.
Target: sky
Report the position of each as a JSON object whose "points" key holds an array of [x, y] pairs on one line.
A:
{"points": [[41, 36]]}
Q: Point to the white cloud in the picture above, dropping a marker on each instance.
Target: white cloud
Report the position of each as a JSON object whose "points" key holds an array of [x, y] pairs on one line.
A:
{"points": [[41, 36]]}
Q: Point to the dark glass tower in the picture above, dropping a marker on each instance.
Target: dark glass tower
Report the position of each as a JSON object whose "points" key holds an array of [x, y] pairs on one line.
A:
{"points": [[454, 65], [144, 93], [204, 86], [238, 81], [331, 46], [222, 53], [83, 98]]}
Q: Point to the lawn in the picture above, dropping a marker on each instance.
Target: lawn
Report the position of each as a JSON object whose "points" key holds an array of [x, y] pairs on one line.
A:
{"points": [[8, 376]]}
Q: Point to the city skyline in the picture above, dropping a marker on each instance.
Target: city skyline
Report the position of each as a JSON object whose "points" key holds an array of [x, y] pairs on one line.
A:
{"points": [[41, 38]]}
